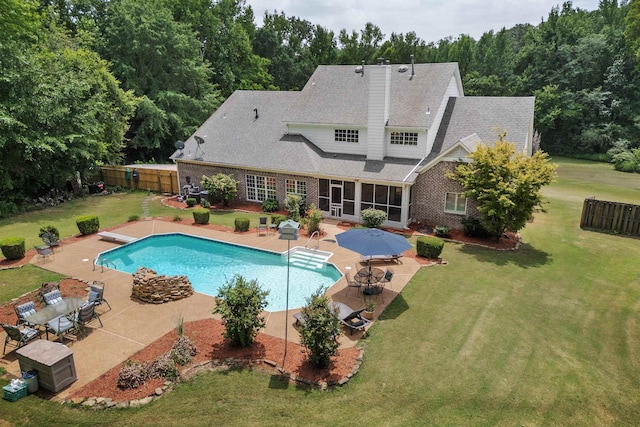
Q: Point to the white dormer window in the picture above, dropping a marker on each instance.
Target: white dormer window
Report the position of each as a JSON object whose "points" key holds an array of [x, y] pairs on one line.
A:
{"points": [[404, 138], [346, 135]]}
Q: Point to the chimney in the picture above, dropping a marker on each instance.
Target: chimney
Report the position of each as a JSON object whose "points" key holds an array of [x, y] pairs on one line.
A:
{"points": [[378, 108]]}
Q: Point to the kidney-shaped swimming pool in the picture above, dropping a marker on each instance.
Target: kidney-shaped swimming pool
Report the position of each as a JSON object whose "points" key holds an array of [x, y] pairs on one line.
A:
{"points": [[209, 264]]}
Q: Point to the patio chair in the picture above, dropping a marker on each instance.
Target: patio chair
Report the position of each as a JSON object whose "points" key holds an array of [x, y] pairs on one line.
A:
{"points": [[96, 294], [351, 283], [21, 336], [52, 297], [23, 310], [349, 317], [262, 226], [61, 326], [86, 314], [388, 275], [44, 252]]}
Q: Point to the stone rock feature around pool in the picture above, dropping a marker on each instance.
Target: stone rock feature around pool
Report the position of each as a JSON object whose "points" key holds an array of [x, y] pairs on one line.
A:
{"points": [[150, 287]]}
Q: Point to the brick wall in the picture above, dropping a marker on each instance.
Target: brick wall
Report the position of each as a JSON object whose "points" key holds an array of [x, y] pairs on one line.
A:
{"points": [[196, 171], [429, 196]]}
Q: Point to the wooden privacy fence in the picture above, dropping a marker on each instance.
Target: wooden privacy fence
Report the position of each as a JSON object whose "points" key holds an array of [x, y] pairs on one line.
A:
{"points": [[614, 217], [158, 180]]}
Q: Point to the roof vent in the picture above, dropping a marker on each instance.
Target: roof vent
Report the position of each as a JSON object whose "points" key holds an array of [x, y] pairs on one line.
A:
{"points": [[255, 110], [403, 69], [360, 69]]}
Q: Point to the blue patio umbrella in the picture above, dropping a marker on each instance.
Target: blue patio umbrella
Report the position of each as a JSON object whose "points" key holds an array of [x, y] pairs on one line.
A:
{"points": [[372, 241]]}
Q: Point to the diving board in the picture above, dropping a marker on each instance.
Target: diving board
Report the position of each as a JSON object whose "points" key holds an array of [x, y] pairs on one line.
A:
{"points": [[115, 237]]}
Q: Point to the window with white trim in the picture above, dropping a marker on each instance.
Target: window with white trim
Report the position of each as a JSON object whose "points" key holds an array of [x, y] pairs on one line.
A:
{"points": [[346, 135], [293, 186], [404, 138], [260, 188], [455, 203]]}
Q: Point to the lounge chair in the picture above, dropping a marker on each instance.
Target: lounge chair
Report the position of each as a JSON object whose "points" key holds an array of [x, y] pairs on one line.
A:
{"points": [[349, 317], [346, 315], [21, 336], [373, 258]]}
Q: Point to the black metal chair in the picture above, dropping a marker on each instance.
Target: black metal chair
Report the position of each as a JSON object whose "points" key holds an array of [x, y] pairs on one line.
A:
{"points": [[351, 283], [21, 336], [262, 226], [44, 252]]}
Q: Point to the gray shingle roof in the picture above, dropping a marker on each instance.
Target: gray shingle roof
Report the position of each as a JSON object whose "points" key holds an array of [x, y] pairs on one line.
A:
{"points": [[234, 137], [485, 116], [338, 95]]}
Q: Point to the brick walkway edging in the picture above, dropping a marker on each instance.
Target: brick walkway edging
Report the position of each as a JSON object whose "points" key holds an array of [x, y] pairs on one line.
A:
{"points": [[213, 366]]}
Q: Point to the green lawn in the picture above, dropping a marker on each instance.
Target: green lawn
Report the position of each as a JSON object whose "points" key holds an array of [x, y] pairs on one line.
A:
{"points": [[548, 335]]}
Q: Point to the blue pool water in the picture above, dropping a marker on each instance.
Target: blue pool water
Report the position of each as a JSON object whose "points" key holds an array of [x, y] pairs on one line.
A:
{"points": [[209, 264]]}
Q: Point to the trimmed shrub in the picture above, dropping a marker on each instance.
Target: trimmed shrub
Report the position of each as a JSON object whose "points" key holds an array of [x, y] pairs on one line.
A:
{"points": [[373, 218], [241, 224], [205, 203], [429, 247], [240, 302], [270, 205], [13, 247], [88, 224], [201, 215], [473, 227], [191, 202], [442, 230], [277, 219]]}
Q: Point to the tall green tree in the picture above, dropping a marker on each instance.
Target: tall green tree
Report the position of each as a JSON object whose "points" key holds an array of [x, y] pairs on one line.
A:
{"points": [[160, 60], [505, 184], [61, 110]]}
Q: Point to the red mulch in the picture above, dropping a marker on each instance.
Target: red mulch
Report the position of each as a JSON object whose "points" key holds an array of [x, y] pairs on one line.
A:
{"points": [[207, 336]]}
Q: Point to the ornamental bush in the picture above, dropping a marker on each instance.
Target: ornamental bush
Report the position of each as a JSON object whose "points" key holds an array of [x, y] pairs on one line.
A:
{"points": [[241, 224], [49, 229], [221, 187], [473, 227], [191, 202], [88, 224], [429, 246], [442, 230], [373, 218], [314, 217], [13, 247], [293, 203], [277, 219], [240, 303], [319, 330], [201, 215], [270, 205]]}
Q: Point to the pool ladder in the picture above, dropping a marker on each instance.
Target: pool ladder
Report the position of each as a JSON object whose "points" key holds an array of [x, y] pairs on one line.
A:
{"points": [[315, 233], [104, 262]]}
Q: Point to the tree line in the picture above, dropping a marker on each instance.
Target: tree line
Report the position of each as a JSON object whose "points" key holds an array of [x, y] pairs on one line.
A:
{"points": [[85, 82]]}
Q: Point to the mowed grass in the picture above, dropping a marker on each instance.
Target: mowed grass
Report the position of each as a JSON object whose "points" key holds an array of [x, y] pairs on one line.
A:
{"points": [[547, 335]]}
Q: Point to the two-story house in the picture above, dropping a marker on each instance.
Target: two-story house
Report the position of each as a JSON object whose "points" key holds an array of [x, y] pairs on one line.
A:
{"points": [[380, 136]]}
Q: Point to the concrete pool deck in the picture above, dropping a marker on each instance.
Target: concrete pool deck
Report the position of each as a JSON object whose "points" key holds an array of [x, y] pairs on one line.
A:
{"points": [[131, 325]]}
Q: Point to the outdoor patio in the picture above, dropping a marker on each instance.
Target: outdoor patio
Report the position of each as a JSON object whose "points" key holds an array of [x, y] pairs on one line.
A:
{"points": [[131, 325]]}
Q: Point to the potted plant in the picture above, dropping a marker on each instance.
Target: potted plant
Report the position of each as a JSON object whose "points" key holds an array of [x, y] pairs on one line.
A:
{"points": [[370, 307]]}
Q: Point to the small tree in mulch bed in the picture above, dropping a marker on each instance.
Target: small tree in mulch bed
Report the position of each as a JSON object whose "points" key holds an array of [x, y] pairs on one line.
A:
{"points": [[319, 330], [240, 303]]}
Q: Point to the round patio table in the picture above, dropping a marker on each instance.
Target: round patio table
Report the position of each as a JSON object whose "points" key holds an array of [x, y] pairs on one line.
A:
{"points": [[370, 276]]}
